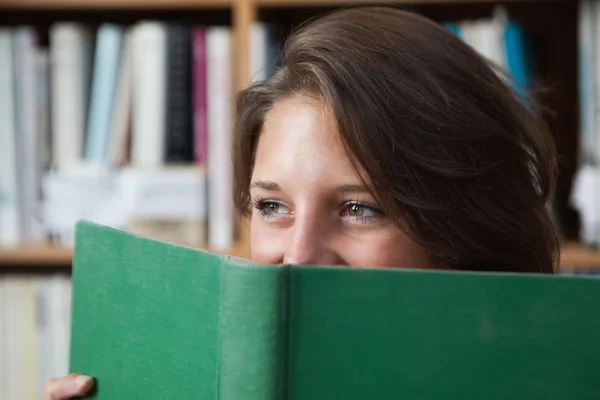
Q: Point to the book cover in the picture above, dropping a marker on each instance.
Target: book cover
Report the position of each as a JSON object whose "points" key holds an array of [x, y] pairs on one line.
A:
{"points": [[153, 320]]}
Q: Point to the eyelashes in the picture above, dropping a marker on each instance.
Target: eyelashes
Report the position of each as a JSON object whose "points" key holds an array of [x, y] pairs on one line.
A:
{"points": [[352, 211], [267, 208]]}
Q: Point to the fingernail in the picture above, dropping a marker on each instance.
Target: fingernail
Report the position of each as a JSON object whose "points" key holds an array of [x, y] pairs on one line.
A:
{"points": [[82, 380]]}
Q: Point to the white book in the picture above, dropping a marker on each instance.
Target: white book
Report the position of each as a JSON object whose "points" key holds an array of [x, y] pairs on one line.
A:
{"points": [[64, 339], [259, 41], [71, 47], [479, 36], [121, 112], [28, 134], [10, 227], [27, 334], [596, 84], [498, 25], [220, 118], [467, 29], [67, 304], [59, 324], [12, 345], [3, 327], [587, 61], [149, 91], [486, 37], [44, 345]]}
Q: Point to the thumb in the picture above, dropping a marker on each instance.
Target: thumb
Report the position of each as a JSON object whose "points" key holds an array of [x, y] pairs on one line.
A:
{"points": [[67, 387]]}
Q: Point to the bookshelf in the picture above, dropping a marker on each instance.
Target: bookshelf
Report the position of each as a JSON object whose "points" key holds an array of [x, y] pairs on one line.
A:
{"points": [[561, 66], [42, 271]]}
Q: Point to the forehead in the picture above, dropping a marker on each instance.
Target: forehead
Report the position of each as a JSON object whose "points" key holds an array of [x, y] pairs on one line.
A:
{"points": [[302, 117], [300, 134]]}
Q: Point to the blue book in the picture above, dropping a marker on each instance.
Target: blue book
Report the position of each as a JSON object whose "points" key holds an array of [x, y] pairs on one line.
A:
{"points": [[517, 57], [106, 67], [454, 28], [586, 62]]}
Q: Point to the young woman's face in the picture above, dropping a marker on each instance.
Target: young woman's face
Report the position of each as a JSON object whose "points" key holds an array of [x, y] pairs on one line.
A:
{"points": [[310, 206]]}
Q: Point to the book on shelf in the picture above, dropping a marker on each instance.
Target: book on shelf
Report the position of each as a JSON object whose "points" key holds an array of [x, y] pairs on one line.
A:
{"points": [[156, 320]]}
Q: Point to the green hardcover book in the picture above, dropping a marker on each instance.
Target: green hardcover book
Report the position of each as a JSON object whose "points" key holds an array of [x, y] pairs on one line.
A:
{"points": [[153, 320]]}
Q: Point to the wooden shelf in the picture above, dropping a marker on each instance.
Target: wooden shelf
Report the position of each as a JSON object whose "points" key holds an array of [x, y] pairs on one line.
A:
{"points": [[52, 257], [113, 4], [575, 256], [36, 256]]}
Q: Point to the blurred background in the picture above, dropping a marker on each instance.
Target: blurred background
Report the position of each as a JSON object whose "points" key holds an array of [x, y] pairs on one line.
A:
{"points": [[120, 112]]}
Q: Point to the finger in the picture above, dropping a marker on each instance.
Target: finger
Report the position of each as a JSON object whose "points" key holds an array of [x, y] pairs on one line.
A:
{"points": [[69, 386]]}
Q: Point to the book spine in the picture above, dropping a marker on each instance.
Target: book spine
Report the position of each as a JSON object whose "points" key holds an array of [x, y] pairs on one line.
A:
{"points": [[108, 52], [586, 61], [199, 77], [10, 229], [252, 352], [220, 116], [27, 328], [149, 87], [258, 52], [12, 345], [28, 134], [71, 51], [179, 131], [121, 112]]}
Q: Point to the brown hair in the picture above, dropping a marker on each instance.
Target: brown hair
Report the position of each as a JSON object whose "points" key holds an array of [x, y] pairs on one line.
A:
{"points": [[455, 158]]}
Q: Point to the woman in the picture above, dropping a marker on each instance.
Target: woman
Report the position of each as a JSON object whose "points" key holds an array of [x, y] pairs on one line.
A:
{"points": [[384, 140]]}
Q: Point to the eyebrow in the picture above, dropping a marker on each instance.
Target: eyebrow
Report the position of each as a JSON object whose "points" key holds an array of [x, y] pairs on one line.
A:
{"points": [[266, 185], [274, 187], [352, 189]]}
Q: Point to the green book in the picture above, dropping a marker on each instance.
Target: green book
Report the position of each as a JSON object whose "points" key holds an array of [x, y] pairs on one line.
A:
{"points": [[153, 320]]}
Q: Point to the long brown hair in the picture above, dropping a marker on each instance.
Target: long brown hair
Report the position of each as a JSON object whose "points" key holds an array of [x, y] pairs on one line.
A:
{"points": [[455, 159]]}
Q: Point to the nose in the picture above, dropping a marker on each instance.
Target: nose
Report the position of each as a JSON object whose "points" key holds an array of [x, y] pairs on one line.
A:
{"points": [[311, 242]]}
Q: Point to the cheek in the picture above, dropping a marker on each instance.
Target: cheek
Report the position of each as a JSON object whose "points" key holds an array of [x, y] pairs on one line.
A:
{"points": [[266, 247], [388, 248]]}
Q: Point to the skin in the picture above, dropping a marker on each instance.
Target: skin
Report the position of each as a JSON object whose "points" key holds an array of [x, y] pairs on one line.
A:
{"points": [[309, 207]]}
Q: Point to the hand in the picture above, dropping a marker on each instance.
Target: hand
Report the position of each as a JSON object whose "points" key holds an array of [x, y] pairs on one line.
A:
{"points": [[67, 387]]}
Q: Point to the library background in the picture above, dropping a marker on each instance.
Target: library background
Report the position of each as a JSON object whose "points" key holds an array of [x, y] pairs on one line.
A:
{"points": [[120, 112]]}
